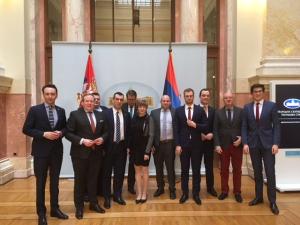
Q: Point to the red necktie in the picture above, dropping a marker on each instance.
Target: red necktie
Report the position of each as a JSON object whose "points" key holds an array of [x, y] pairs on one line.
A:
{"points": [[257, 112], [92, 122], [189, 113]]}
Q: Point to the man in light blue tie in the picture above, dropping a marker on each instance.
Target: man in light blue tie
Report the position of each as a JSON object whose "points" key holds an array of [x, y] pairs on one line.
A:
{"points": [[164, 145]]}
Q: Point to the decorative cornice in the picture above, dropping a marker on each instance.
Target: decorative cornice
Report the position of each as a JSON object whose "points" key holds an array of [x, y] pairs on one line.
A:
{"points": [[5, 84], [279, 66]]}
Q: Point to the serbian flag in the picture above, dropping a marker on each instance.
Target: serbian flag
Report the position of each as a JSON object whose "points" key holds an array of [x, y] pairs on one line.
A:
{"points": [[89, 82], [170, 87]]}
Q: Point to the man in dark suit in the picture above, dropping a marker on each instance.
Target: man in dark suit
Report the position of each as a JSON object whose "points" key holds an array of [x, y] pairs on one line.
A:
{"points": [[261, 137], [116, 150], [87, 131], [99, 108], [190, 123], [46, 124], [207, 139], [164, 145], [227, 141], [131, 108]]}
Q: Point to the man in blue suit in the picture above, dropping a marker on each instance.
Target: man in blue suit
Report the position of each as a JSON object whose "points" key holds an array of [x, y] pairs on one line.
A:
{"points": [[190, 122], [261, 137], [46, 123], [116, 150]]}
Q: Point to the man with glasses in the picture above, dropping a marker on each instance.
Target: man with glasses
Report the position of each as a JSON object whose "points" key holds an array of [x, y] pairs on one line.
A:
{"points": [[261, 137]]}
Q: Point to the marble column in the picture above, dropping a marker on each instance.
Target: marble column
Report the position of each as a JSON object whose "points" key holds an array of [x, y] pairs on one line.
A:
{"points": [[75, 20], [19, 151], [281, 42], [189, 20], [6, 166]]}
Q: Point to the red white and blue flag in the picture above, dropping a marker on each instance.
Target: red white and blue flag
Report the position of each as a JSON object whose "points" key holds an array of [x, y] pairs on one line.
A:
{"points": [[170, 87], [89, 82]]}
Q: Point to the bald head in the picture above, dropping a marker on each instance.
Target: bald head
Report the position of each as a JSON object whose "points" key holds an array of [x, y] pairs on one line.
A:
{"points": [[228, 99], [165, 102]]}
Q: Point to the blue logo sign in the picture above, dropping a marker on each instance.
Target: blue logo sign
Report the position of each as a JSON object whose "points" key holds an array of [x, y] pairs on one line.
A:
{"points": [[292, 103]]}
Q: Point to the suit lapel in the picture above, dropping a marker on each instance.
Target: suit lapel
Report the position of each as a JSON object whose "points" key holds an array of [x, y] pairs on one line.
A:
{"points": [[59, 116], [263, 110], [194, 112], [252, 111], [45, 115], [85, 118], [235, 114]]}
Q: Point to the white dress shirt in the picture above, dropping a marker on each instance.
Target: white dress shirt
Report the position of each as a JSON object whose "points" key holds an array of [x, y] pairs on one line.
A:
{"points": [[186, 107], [261, 102]]}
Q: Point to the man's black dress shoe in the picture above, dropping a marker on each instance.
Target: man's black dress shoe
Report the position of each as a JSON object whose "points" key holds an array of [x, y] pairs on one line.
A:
{"points": [[238, 198], [212, 192], [86, 198], [183, 198], [158, 192], [131, 191], [274, 208], [96, 208], [119, 200], [59, 214], [79, 214], [197, 199], [42, 220], [256, 201], [172, 195], [222, 196], [107, 203]]}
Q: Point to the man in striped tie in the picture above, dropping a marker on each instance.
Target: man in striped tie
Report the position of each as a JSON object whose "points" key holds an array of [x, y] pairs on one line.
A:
{"points": [[46, 123], [116, 150]]}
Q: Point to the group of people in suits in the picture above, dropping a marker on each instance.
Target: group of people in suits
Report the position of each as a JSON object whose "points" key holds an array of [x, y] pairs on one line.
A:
{"points": [[101, 138]]}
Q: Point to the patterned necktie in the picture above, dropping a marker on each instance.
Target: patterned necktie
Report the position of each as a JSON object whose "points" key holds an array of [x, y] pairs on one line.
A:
{"points": [[257, 112], [164, 125], [51, 116], [190, 113], [229, 115], [92, 122], [118, 128]]}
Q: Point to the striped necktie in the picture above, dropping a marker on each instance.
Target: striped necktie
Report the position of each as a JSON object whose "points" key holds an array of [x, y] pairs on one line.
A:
{"points": [[51, 116], [118, 128]]}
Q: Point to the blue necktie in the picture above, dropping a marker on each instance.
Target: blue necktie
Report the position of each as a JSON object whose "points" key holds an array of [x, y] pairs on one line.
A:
{"points": [[164, 125]]}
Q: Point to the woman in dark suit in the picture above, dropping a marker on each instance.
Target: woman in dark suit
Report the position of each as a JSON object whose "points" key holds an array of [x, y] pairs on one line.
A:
{"points": [[142, 133]]}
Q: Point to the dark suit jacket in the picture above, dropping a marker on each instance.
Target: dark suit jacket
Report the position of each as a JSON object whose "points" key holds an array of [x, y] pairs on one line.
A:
{"points": [[78, 127], [155, 114], [37, 123], [103, 108], [184, 132], [210, 120], [125, 109], [111, 130], [224, 131], [267, 130]]}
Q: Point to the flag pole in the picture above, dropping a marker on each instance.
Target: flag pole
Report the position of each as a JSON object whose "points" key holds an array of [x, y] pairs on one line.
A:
{"points": [[170, 47], [90, 48]]}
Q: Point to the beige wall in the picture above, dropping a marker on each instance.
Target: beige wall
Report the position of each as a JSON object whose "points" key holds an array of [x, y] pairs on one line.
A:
{"points": [[249, 38], [12, 55]]}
